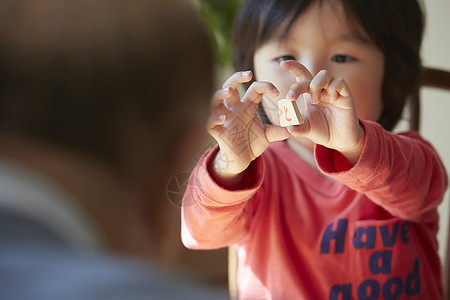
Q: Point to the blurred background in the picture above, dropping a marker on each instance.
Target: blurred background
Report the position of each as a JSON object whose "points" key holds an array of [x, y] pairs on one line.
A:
{"points": [[435, 105]]}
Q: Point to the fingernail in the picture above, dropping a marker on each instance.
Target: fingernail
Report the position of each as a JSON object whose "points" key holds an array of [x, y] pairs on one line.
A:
{"points": [[246, 73], [222, 117], [275, 91]]}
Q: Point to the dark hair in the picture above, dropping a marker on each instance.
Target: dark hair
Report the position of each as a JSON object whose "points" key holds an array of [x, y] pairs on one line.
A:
{"points": [[395, 27], [86, 74]]}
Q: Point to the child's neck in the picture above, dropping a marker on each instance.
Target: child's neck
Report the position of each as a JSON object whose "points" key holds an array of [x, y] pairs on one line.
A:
{"points": [[303, 148]]}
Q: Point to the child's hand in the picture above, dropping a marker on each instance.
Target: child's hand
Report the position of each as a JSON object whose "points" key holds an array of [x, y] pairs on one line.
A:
{"points": [[234, 124], [330, 118]]}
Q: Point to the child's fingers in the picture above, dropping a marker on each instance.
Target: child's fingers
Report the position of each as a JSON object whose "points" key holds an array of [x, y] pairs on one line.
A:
{"points": [[299, 130], [237, 78], [337, 87], [297, 89], [276, 133], [258, 89], [220, 110], [215, 120], [219, 96], [319, 83], [232, 99], [231, 86], [297, 69], [223, 99]]}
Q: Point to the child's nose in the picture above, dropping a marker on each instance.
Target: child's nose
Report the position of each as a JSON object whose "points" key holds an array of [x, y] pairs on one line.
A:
{"points": [[314, 64]]}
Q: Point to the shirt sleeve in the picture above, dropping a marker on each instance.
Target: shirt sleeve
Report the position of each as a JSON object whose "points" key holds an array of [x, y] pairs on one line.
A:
{"points": [[212, 216], [400, 172]]}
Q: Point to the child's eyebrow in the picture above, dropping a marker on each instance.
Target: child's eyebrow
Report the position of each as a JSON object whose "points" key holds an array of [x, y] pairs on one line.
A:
{"points": [[354, 38]]}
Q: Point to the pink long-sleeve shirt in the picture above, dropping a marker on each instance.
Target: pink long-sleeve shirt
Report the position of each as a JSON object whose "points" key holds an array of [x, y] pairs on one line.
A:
{"points": [[368, 233]]}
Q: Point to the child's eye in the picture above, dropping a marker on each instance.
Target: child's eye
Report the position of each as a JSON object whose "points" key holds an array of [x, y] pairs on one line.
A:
{"points": [[285, 57], [342, 58]]}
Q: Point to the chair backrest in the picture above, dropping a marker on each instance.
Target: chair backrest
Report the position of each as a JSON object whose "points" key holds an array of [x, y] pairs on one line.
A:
{"points": [[440, 79], [431, 77]]}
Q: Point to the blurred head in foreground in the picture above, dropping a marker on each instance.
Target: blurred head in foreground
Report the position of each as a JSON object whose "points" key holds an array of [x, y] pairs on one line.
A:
{"points": [[116, 81], [103, 97]]}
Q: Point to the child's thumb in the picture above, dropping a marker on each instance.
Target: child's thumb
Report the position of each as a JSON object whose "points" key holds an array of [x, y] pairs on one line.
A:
{"points": [[299, 130], [276, 133]]}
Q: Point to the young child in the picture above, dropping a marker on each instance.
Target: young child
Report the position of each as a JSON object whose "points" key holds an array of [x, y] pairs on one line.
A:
{"points": [[343, 208]]}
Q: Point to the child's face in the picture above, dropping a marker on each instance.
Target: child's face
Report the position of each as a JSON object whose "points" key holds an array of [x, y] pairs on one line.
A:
{"points": [[320, 39]]}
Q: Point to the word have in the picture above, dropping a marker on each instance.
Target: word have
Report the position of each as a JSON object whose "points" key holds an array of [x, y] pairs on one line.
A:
{"points": [[364, 237], [380, 262]]}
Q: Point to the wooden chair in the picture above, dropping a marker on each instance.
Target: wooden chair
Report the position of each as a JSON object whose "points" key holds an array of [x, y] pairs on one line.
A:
{"points": [[440, 79], [431, 77]]}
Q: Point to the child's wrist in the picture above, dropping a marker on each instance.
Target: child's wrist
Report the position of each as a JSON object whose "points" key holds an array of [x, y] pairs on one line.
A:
{"points": [[353, 154], [225, 177]]}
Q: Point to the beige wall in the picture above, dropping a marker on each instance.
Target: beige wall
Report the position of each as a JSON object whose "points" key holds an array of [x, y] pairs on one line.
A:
{"points": [[436, 104]]}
